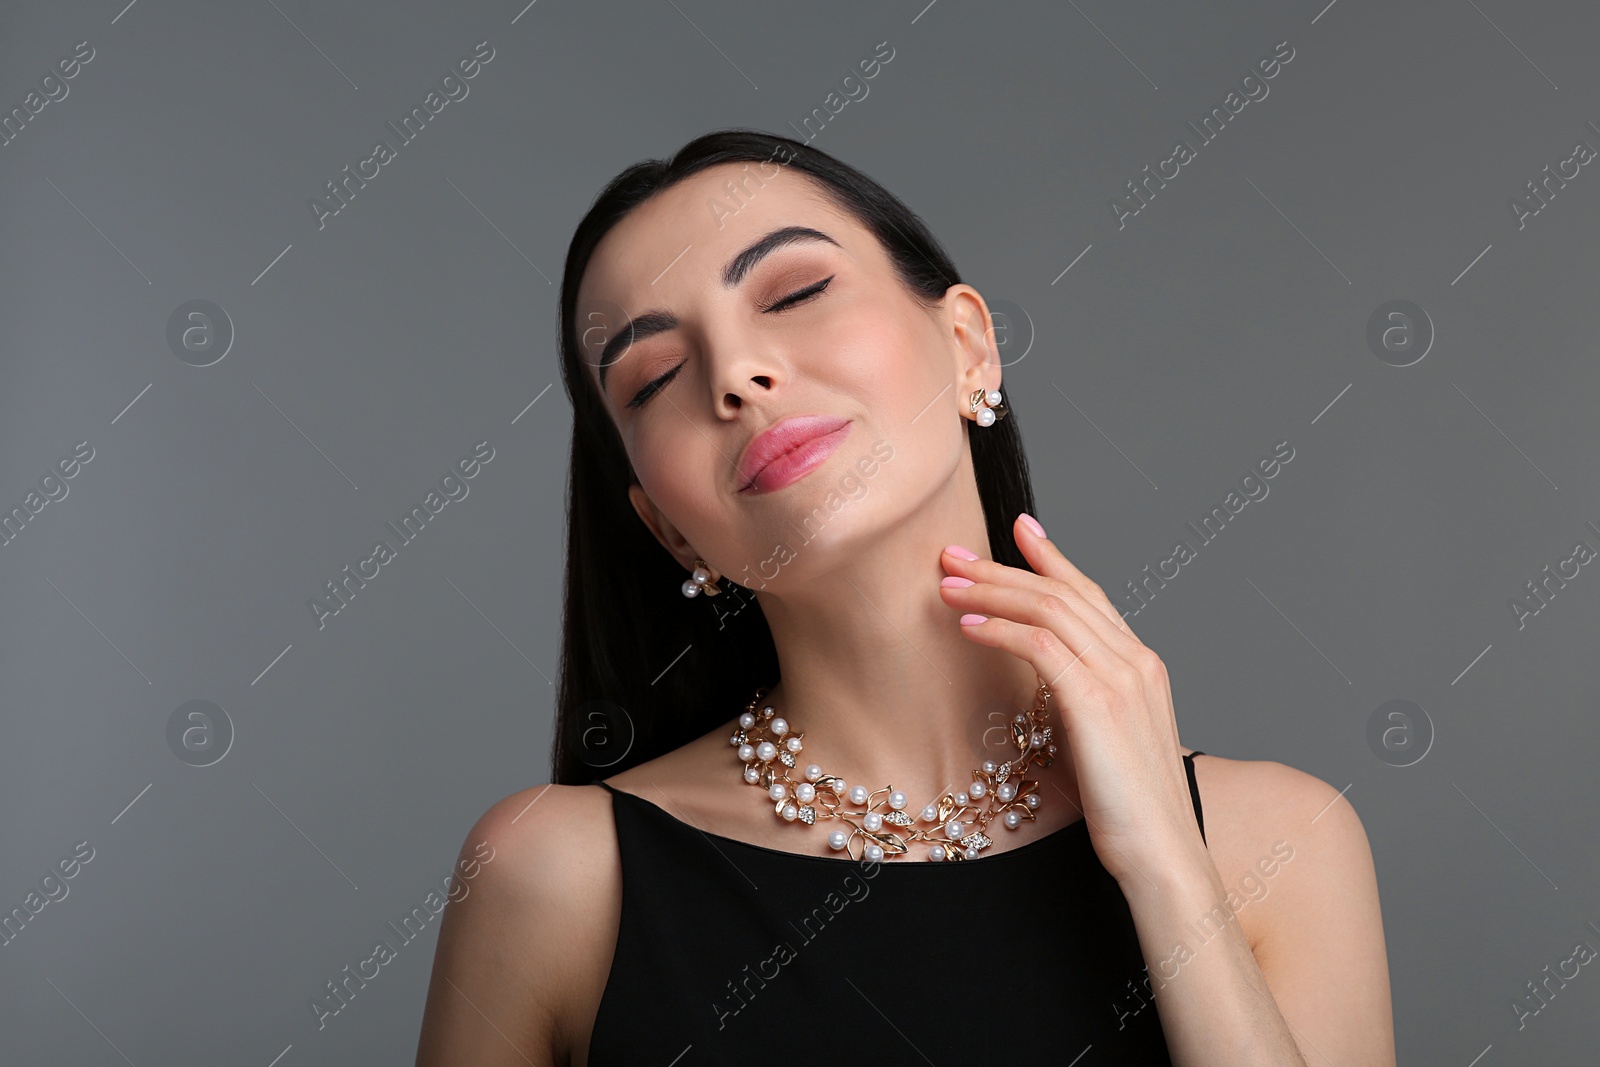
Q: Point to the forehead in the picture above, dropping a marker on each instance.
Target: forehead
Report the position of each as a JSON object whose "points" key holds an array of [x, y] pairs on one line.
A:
{"points": [[680, 239]]}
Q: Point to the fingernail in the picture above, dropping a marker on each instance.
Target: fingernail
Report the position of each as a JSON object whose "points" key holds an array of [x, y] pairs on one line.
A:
{"points": [[1033, 524], [955, 582], [973, 620], [960, 553]]}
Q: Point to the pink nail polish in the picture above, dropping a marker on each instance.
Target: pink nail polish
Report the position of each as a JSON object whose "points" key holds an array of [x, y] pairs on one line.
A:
{"points": [[973, 620], [954, 581], [1033, 524], [960, 553]]}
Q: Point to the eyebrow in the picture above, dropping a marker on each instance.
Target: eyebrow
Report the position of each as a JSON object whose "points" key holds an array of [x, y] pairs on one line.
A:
{"points": [[659, 320]]}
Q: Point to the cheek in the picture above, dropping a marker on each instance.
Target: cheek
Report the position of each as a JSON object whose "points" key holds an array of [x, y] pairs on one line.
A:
{"points": [[908, 391], [912, 436], [890, 366], [683, 476], [671, 467]]}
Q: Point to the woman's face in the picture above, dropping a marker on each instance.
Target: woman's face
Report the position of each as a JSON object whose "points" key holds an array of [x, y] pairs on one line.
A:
{"points": [[730, 338]]}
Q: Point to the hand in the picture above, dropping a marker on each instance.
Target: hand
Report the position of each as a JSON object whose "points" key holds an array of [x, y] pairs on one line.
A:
{"points": [[1110, 691]]}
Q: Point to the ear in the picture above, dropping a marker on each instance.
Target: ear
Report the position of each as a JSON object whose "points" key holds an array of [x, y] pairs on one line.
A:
{"points": [[660, 526], [973, 344]]}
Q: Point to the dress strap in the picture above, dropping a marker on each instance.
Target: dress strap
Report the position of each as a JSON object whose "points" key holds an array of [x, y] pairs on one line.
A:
{"points": [[1194, 790]]}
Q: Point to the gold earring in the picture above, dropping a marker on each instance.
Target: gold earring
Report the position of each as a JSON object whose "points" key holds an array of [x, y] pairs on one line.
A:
{"points": [[700, 581], [993, 409]]}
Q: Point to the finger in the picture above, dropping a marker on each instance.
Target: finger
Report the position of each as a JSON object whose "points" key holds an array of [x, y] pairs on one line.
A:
{"points": [[1043, 555], [987, 570], [1065, 670], [1069, 617]]}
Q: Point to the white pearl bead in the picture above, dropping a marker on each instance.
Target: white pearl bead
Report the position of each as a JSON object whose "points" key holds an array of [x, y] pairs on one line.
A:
{"points": [[1036, 740], [790, 812], [897, 800], [813, 772], [1013, 819], [989, 766], [858, 794], [765, 751], [993, 398], [972, 853], [777, 791], [747, 752], [1033, 800], [700, 576], [936, 853], [837, 839], [872, 821], [977, 790], [793, 744], [953, 830], [751, 774], [985, 416], [747, 720], [766, 712], [691, 588], [780, 726], [930, 814], [873, 853], [962, 798], [1007, 791], [805, 792]]}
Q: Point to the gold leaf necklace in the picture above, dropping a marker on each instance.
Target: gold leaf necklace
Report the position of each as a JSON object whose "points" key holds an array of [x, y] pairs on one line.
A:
{"points": [[767, 747]]}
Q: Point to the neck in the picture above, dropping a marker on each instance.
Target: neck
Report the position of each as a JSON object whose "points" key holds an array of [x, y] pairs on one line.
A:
{"points": [[877, 674]]}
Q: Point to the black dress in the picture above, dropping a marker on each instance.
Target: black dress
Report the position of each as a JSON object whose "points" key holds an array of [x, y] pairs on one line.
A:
{"points": [[734, 953]]}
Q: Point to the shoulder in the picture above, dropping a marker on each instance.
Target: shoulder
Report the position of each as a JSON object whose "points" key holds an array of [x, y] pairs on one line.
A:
{"points": [[1297, 867], [1264, 815], [561, 841], [529, 931], [1253, 798], [549, 822]]}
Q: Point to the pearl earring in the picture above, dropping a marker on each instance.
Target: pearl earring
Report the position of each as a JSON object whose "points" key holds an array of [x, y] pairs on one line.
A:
{"points": [[700, 581], [993, 410]]}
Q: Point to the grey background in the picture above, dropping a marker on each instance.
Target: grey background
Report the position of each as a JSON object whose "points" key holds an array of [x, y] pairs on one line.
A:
{"points": [[370, 355]]}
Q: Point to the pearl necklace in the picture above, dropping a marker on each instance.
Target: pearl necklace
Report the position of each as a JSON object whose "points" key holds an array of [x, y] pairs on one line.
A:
{"points": [[951, 836]]}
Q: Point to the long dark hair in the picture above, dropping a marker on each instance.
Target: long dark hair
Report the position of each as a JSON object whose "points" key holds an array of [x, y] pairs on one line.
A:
{"points": [[644, 669]]}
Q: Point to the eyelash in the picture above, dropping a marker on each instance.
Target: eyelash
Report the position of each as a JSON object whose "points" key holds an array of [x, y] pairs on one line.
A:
{"points": [[652, 388]]}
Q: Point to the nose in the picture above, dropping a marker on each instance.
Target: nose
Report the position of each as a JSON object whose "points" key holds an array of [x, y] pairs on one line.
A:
{"points": [[739, 376]]}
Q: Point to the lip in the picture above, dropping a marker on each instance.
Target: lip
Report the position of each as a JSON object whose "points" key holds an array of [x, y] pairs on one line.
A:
{"points": [[789, 450]]}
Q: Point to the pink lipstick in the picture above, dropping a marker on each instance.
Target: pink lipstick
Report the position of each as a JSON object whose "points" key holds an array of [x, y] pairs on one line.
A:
{"points": [[789, 450]]}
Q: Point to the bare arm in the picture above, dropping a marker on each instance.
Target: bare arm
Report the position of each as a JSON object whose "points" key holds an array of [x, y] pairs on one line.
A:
{"points": [[1314, 988], [496, 997]]}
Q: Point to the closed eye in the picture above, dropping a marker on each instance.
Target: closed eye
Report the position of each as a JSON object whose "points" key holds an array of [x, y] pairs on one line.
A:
{"points": [[797, 297], [651, 388]]}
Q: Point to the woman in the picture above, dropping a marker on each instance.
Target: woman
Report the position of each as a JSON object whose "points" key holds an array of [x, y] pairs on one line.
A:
{"points": [[831, 783]]}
